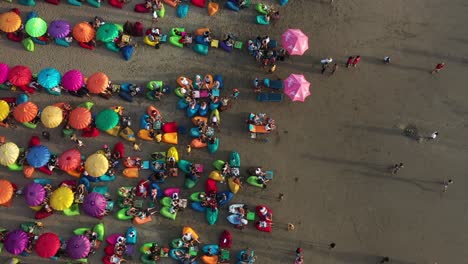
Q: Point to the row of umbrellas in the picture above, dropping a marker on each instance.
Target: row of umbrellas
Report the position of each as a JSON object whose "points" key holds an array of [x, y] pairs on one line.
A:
{"points": [[48, 78], [36, 27]]}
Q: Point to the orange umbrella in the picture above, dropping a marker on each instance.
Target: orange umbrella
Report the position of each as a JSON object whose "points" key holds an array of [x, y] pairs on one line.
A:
{"points": [[79, 118], [25, 112], [83, 32], [6, 192], [9, 22], [97, 83]]}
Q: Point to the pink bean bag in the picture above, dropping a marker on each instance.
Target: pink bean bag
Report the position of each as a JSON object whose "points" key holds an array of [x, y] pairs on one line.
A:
{"points": [[199, 3], [140, 8]]}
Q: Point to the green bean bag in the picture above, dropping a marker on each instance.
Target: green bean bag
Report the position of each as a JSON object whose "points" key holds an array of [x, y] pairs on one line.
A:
{"points": [[72, 211], [152, 85], [74, 2], [184, 165], [195, 197], [15, 167], [145, 259], [112, 47], [174, 40], [189, 183], [119, 27], [28, 44], [179, 93], [29, 125], [261, 8], [201, 49], [122, 214], [261, 19], [161, 12], [173, 30], [212, 216], [81, 230], [219, 164], [145, 249], [177, 243], [87, 105], [252, 180], [166, 201], [94, 3], [99, 229], [165, 211], [27, 2]]}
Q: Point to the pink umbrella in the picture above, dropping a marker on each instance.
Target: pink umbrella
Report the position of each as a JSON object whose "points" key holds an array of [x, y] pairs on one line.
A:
{"points": [[72, 80], [4, 69], [296, 87], [295, 41]]}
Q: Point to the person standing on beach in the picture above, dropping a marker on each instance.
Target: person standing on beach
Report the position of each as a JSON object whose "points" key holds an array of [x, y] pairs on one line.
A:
{"points": [[325, 63], [324, 68], [397, 168], [384, 259], [433, 135], [335, 67], [438, 68], [356, 60], [446, 184], [350, 61]]}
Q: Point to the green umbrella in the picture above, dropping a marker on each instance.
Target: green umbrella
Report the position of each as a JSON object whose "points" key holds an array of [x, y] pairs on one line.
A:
{"points": [[107, 119], [107, 32], [36, 27]]}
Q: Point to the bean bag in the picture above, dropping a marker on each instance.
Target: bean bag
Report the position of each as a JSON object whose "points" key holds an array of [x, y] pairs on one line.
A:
{"points": [[210, 186], [122, 214], [31, 14], [161, 12], [86, 45], [199, 3], [225, 47], [61, 42], [15, 167], [209, 259], [22, 98], [72, 211], [195, 132], [106, 178], [74, 2], [212, 148], [94, 3], [283, 2], [172, 3], [174, 40], [213, 8], [196, 119], [201, 49], [192, 111], [141, 221], [42, 214], [39, 41], [169, 127], [219, 78], [54, 2], [112, 47], [76, 174], [138, 29], [15, 37], [200, 31], [232, 6], [199, 39], [182, 10], [197, 143], [170, 138], [131, 172], [144, 134], [116, 3], [127, 52], [89, 132], [261, 19], [140, 8], [28, 44], [27, 2], [174, 30], [182, 104]]}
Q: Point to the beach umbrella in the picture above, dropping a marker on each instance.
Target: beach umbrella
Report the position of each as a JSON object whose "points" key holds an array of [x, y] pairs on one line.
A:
{"points": [[36, 27], [72, 80], [59, 29], [295, 41], [16, 241], [34, 194], [69, 160], [61, 198], [107, 32], [96, 165], [4, 110], [9, 153], [47, 245], [10, 22], [20, 75], [49, 78], [94, 204], [79, 118], [4, 69], [83, 32], [78, 247], [297, 87], [6, 192], [97, 83], [38, 156], [107, 119], [25, 112], [51, 116]]}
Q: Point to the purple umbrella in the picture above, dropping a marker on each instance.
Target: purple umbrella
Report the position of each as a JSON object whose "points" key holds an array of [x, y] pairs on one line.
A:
{"points": [[72, 80], [59, 29], [94, 204], [16, 241], [78, 247], [35, 194], [4, 69]]}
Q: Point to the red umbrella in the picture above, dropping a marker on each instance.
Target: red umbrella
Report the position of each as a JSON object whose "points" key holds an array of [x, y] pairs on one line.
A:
{"points": [[20, 75], [47, 245], [69, 160]]}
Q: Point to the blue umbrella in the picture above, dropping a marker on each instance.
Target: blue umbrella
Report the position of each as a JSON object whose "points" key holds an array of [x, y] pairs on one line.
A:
{"points": [[38, 156], [49, 78]]}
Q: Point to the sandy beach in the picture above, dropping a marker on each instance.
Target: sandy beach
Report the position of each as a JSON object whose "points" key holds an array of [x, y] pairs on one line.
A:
{"points": [[330, 154]]}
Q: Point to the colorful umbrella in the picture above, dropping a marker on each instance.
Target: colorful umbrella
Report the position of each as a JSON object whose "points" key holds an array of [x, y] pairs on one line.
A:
{"points": [[83, 32], [107, 32], [36, 27], [16, 241], [78, 247], [25, 112], [38, 156], [97, 83], [9, 153], [107, 119], [61, 198], [69, 160], [79, 118], [34, 194], [20, 75], [6, 192], [49, 78], [296, 87], [295, 41], [59, 29], [4, 110], [52, 116], [72, 80], [94, 204], [47, 245], [96, 165], [4, 69], [10, 22]]}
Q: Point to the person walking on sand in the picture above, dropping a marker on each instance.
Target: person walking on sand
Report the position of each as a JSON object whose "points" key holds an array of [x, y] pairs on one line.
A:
{"points": [[356, 60], [349, 61], [324, 68], [397, 168], [438, 68], [446, 184], [386, 59], [326, 61], [335, 67], [332, 245], [433, 136]]}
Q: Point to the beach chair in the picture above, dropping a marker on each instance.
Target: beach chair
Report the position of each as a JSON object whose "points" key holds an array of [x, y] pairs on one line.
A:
{"points": [[270, 97], [273, 84], [272, 44]]}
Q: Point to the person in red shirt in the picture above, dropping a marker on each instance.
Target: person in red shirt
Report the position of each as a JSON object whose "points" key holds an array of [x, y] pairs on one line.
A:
{"points": [[349, 61], [356, 60], [438, 67]]}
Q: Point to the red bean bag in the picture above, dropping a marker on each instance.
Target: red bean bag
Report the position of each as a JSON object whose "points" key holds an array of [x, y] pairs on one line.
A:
{"points": [[54, 2], [27, 89], [119, 147], [109, 250], [116, 3], [138, 29], [170, 127], [90, 132], [15, 37], [140, 8], [210, 186], [9, 100], [86, 45], [41, 214], [199, 3], [107, 260], [34, 141], [45, 170]]}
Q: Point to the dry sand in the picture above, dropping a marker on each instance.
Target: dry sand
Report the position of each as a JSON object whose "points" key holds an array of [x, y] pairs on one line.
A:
{"points": [[337, 145]]}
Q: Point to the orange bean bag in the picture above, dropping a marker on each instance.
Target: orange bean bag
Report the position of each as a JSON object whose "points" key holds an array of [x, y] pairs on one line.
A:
{"points": [[140, 221], [179, 81], [200, 31], [150, 110], [76, 174], [209, 259], [28, 171], [195, 119], [196, 143], [131, 172], [144, 134], [172, 3], [210, 84], [213, 8]]}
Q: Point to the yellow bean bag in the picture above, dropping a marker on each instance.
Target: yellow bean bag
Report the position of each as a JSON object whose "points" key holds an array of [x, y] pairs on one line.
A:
{"points": [[170, 138], [114, 131], [216, 175]]}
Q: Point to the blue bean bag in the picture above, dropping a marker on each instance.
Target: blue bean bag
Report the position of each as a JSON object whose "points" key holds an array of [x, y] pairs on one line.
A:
{"points": [[203, 112], [182, 10], [62, 42], [94, 3], [27, 2], [22, 98], [194, 132], [201, 40], [283, 2], [127, 52], [74, 2], [201, 49], [219, 78], [232, 6], [191, 112], [261, 19], [85, 182], [213, 106], [182, 104], [31, 14], [225, 47], [126, 96], [38, 41]]}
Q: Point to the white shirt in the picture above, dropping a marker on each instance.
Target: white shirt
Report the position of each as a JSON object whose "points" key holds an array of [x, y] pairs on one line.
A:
{"points": [[214, 119], [433, 135], [326, 60]]}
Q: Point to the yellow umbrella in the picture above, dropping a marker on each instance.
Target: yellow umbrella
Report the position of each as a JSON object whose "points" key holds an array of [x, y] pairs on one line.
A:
{"points": [[10, 22], [96, 165], [61, 199], [51, 116], [9, 153], [4, 110]]}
